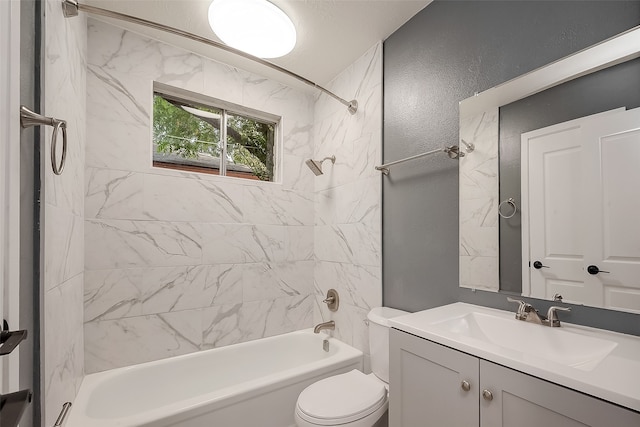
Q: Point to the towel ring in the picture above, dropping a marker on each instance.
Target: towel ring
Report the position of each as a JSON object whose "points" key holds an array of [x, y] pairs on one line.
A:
{"points": [[58, 124], [511, 202], [28, 119]]}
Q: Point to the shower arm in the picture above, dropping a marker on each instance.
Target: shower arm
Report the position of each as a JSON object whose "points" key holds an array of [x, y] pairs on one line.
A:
{"points": [[71, 8], [332, 158]]}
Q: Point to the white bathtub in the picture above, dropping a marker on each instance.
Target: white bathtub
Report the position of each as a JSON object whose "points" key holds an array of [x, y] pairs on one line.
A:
{"points": [[253, 384]]}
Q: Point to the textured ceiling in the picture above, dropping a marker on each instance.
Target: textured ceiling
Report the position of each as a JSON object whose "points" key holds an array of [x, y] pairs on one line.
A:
{"points": [[331, 33]]}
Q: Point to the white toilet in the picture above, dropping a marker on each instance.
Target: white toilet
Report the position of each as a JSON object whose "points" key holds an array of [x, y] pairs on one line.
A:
{"points": [[353, 399]]}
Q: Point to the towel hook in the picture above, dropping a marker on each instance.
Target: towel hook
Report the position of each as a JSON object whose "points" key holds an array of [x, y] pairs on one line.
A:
{"points": [[29, 118]]}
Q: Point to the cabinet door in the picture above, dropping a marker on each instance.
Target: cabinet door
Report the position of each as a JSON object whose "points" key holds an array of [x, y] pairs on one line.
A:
{"points": [[519, 400], [426, 384]]}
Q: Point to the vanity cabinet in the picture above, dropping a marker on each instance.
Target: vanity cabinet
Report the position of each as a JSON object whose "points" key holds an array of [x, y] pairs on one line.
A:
{"points": [[433, 385]]}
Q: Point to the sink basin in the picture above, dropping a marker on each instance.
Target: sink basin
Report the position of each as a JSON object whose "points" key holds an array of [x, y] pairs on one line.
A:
{"points": [[553, 344]]}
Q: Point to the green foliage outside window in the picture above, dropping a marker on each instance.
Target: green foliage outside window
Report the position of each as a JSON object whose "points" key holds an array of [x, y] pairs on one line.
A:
{"points": [[188, 134]]}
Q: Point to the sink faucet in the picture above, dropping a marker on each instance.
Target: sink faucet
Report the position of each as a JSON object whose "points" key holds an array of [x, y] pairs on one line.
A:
{"points": [[331, 325], [528, 313], [552, 317]]}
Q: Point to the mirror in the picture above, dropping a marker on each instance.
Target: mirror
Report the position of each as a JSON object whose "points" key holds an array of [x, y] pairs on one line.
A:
{"points": [[482, 122]]}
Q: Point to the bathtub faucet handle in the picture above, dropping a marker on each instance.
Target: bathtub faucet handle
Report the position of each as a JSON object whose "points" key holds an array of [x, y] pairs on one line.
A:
{"points": [[332, 300]]}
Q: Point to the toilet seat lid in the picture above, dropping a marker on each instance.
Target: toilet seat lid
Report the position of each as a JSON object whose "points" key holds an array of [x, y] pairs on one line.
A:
{"points": [[344, 398]]}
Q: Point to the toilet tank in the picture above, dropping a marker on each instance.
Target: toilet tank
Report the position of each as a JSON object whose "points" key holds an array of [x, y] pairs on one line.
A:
{"points": [[379, 339]]}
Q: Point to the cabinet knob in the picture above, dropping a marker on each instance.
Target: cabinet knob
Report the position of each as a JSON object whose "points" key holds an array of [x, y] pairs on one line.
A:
{"points": [[465, 385], [487, 395]]}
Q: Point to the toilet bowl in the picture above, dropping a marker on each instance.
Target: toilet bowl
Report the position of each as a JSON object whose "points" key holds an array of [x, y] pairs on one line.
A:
{"points": [[353, 399]]}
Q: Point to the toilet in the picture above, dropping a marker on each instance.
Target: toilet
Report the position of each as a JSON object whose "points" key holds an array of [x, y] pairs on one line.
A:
{"points": [[353, 399]]}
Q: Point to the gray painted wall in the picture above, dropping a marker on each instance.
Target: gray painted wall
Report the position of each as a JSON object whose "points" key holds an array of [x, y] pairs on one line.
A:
{"points": [[30, 290], [445, 54]]}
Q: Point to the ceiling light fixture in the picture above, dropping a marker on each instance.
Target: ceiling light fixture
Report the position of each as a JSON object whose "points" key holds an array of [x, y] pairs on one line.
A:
{"points": [[257, 27]]}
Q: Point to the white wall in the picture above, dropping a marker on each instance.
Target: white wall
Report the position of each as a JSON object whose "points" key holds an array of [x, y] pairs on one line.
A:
{"points": [[63, 205], [180, 262], [348, 199]]}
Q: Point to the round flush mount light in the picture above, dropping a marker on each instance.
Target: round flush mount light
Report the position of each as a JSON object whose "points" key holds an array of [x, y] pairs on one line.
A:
{"points": [[257, 27]]}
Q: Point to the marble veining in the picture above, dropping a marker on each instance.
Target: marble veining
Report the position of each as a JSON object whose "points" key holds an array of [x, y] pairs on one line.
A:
{"points": [[113, 194], [264, 281], [120, 243], [171, 198], [347, 231], [178, 262], [269, 206], [64, 96], [479, 202], [122, 51], [116, 90], [221, 326], [143, 338], [356, 284]]}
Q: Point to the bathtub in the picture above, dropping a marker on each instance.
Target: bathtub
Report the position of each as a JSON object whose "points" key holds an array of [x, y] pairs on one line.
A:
{"points": [[252, 384]]}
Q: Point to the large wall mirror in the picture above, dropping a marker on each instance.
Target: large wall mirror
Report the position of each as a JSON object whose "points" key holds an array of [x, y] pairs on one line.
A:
{"points": [[550, 195]]}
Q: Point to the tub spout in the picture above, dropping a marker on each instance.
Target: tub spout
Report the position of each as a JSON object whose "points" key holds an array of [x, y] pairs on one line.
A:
{"points": [[326, 325]]}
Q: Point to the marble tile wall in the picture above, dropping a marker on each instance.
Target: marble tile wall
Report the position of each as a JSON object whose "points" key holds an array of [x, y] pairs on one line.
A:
{"points": [[180, 262], [63, 207], [479, 202], [348, 196]]}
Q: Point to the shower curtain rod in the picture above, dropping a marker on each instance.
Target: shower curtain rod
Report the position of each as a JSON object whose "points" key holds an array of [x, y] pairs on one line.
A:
{"points": [[71, 8]]}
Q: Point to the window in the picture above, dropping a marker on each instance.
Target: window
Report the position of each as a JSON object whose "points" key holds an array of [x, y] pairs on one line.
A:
{"points": [[192, 134]]}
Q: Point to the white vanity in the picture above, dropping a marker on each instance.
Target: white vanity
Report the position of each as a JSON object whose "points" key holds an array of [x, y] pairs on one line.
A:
{"points": [[463, 365]]}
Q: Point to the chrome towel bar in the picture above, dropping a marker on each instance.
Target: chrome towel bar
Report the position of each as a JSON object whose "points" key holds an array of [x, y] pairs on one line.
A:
{"points": [[28, 119], [452, 151]]}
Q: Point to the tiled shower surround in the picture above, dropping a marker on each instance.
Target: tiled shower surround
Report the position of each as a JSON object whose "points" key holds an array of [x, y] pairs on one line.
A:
{"points": [[180, 262], [64, 94], [347, 238]]}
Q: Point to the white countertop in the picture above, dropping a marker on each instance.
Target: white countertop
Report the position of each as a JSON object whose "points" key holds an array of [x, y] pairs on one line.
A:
{"points": [[615, 378]]}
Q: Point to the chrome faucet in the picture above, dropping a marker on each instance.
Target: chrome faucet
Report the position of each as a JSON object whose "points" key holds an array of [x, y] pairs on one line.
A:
{"points": [[525, 311], [331, 325], [552, 317], [528, 313]]}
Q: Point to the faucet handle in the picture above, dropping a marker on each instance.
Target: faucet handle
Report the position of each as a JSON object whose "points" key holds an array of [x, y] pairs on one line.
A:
{"points": [[552, 316], [332, 300], [522, 308], [519, 301]]}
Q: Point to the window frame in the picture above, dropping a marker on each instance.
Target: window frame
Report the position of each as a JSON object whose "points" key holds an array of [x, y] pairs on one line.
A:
{"points": [[200, 100]]}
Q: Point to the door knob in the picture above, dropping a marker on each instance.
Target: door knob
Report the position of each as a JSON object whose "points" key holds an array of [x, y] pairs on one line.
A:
{"points": [[465, 385], [538, 265], [593, 269]]}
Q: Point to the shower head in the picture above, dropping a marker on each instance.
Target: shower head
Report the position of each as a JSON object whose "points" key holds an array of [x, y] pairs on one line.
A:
{"points": [[316, 165]]}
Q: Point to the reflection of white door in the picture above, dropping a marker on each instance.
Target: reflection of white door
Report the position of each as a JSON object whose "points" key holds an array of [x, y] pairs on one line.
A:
{"points": [[555, 225], [580, 210], [612, 259]]}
